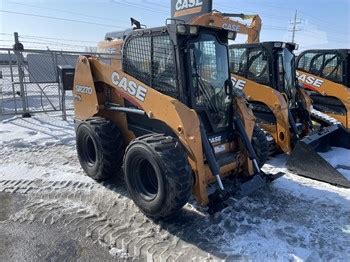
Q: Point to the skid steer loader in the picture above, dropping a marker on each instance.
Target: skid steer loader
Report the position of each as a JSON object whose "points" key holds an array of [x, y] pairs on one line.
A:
{"points": [[266, 74], [167, 113], [325, 74]]}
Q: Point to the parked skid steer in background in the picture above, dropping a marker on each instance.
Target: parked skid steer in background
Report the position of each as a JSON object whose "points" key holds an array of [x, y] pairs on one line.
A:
{"points": [[167, 114], [325, 74], [266, 74]]}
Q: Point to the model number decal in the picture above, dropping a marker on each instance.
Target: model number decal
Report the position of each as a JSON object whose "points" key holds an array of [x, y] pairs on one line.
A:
{"points": [[129, 86], [238, 83], [311, 80], [83, 89]]}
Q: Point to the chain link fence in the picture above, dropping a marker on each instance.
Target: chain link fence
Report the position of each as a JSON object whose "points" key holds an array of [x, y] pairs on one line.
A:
{"points": [[29, 80]]}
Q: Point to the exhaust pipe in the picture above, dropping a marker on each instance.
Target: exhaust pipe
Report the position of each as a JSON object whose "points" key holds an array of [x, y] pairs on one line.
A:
{"points": [[305, 160]]}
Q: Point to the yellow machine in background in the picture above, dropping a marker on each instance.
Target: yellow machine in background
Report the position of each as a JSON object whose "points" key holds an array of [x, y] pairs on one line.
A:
{"points": [[266, 73], [225, 21], [325, 74]]}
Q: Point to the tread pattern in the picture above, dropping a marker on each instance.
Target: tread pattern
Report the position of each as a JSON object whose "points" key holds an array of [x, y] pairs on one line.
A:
{"points": [[178, 171], [111, 143], [260, 145], [318, 115], [104, 213], [95, 210]]}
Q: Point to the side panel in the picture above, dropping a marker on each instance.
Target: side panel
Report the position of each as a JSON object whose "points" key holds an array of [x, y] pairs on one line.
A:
{"points": [[85, 96]]}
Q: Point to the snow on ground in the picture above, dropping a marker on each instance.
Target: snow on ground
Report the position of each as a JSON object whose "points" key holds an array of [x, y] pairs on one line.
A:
{"points": [[294, 219], [339, 157]]}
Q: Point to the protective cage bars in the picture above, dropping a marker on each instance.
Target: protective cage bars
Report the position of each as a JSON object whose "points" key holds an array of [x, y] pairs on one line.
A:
{"points": [[152, 61]]}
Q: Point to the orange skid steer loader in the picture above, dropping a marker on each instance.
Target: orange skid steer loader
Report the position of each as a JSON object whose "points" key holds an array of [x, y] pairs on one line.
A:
{"points": [[166, 112], [266, 74], [325, 75]]}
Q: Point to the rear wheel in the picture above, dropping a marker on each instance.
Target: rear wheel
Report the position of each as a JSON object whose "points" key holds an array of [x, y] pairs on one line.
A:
{"points": [[100, 148], [157, 175], [260, 145]]}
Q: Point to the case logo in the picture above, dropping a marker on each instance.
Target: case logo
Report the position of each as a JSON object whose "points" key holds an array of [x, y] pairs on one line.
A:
{"points": [[185, 4], [238, 83], [138, 91], [187, 7], [311, 80], [230, 27]]}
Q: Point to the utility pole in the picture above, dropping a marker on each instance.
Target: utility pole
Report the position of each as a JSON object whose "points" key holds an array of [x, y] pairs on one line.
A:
{"points": [[294, 23]]}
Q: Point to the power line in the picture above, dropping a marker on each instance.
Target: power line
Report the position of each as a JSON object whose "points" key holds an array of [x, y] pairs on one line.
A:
{"points": [[61, 19], [53, 38], [141, 7], [51, 43], [157, 4], [69, 12]]}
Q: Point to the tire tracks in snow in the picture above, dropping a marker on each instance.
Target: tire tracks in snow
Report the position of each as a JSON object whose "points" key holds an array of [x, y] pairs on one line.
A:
{"points": [[111, 219], [106, 214], [270, 224]]}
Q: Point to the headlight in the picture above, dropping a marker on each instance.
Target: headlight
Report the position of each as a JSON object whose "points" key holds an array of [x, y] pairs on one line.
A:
{"points": [[193, 30], [277, 44], [181, 29], [231, 35]]}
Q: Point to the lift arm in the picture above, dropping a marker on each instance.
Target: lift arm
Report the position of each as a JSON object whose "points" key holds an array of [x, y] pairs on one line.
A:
{"points": [[224, 20]]}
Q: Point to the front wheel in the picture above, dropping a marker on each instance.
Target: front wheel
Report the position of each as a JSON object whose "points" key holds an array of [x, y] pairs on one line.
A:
{"points": [[157, 174]]}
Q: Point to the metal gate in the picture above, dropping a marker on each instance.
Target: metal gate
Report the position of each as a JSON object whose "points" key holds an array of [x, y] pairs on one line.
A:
{"points": [[29, 80]]}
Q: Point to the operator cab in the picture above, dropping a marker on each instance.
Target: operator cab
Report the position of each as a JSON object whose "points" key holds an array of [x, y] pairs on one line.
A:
{"points": [[271, 64], [187, 62], [268, 63], [330, 64]]}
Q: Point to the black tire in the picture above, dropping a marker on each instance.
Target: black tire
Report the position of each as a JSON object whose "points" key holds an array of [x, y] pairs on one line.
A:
{"points": [[100, 148], [157, 175], [260, 145]]}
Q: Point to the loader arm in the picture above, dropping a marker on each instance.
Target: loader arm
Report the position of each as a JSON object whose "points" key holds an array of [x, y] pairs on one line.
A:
{"points": [[222, 20]]}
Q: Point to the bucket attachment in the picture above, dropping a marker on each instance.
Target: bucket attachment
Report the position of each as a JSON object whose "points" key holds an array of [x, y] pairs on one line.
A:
{"points": [[305, 160], [221, 199]]}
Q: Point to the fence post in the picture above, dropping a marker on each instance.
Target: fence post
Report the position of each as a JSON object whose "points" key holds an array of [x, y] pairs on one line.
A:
{"points": [[63, 98], [18, 48]]}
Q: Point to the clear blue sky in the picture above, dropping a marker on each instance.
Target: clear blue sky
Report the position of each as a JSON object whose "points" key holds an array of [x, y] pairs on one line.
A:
{"points": [[324, 23]]}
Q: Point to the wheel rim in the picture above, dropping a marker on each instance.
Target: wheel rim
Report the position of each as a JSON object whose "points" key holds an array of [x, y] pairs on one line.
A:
{"points": [[146, 181], [89, 150]]}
